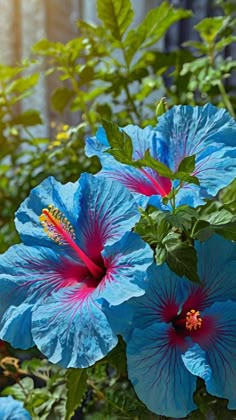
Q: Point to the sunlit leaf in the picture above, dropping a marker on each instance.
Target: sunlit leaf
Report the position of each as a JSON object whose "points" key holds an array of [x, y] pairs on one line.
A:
{"points": [[116, 15]]}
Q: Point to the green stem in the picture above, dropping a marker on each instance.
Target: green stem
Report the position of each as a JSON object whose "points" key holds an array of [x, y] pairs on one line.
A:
{"points": [[131, 101], [83, 103], [226, 99], [126, 86]]}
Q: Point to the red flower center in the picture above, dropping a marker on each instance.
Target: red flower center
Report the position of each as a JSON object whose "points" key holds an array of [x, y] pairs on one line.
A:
{"points": [[193, 320], [187, 322]]}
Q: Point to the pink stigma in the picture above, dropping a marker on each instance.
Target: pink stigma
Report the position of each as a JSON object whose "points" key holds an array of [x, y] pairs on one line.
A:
{"points": [[59, 229], [157, 185]]}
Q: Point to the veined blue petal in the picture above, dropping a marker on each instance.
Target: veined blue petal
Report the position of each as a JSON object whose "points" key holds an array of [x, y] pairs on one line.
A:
{"points": [[119, 317], [157, 372], [127, 262], [208, 133], [15, 326], [142, 183], [195, 360], [71, 331], [11, 409], [107, 212], [29, 275], [50, 191], [191, 130], [164, 296], [221, 351], [216, 269], [32, 273]]}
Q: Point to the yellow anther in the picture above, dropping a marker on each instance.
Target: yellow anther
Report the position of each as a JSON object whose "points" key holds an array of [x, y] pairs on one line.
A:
{"points": [[56, 225], [193, 320]]}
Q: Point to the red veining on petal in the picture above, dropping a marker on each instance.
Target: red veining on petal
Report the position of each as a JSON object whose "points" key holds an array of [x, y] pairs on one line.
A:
{"points": [[160, 189], [59, 229]]}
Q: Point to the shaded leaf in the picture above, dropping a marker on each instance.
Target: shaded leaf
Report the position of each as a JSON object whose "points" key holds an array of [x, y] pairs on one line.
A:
{"points": [[181, 257], [61, 97], [76, 388], [19, 391], [27, 118]]}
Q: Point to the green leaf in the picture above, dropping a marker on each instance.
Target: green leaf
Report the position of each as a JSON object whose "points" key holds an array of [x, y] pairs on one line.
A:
{"points": [[214, 217], [224, 42], [160, 254], [228, 195], [116, 15], [202, 230], [76, 388], [22, 84], [121, 143], [61, 97], [20, 390], [187, 164], [209, 28], [153, 27], [117, 357], [190, 179], [181, 257], [152, 226], [27, 118], [46, 47], [228, 230], [150, 162]]}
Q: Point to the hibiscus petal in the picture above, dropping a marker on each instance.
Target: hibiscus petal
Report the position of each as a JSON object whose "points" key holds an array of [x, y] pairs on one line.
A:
{"points": [[216, 269], [29, 275], [32, 273], [15, 326], [127, 262], [107, 212], [195, 360], [221, 351], [163, 298], [71, 331], [208, 133], [11, 409], [157, 372], [139, 183]]}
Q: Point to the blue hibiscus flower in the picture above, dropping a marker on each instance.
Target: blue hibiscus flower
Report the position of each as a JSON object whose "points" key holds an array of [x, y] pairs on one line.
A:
{"points": [[181, 331], [11, 409], [77, 254], [206, 132]]}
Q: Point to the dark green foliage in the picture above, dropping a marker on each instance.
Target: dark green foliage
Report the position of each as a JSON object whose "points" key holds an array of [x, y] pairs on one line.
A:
{"points": [[76, 388]]}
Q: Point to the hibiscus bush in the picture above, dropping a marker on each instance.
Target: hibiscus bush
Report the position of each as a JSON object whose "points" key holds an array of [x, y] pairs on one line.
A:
{"points": [[118, 297]]}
